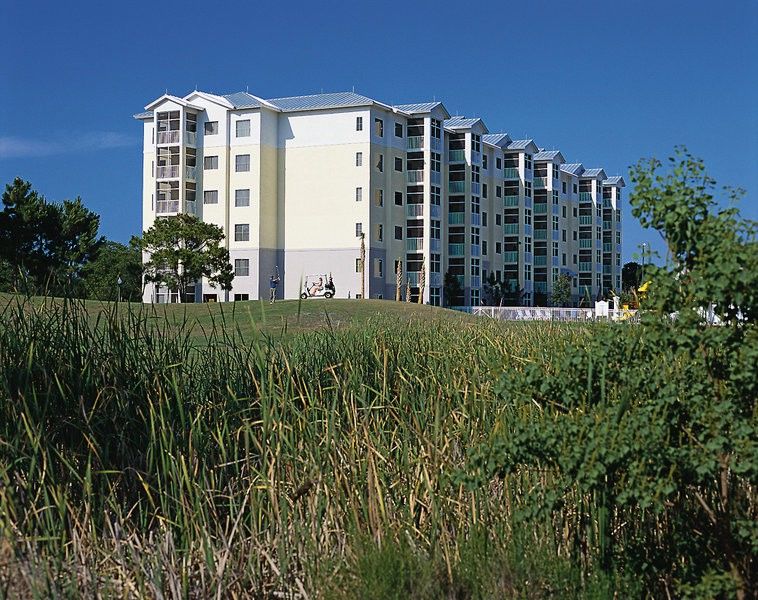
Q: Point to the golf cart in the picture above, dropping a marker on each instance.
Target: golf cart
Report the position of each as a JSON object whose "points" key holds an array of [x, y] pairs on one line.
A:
{"points": [[318, 286]]}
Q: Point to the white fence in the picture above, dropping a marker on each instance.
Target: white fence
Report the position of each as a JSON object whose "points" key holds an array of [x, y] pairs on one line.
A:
{"points": [[528, 313]]}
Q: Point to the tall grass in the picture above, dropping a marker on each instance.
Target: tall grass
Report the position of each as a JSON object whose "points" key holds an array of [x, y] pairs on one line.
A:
{"points": [[135, 463]]}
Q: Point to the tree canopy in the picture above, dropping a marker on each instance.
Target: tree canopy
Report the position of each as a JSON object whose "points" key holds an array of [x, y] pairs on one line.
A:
{"points": [[114, 260]]}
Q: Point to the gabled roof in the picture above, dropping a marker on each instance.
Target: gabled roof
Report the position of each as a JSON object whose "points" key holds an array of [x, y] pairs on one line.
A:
{"points": [[550, 155], [176, 99], [459, 122], [594, 173], [220, 100], [501, 140], [522, 145], [321, 101], [419, 107], [616, 180], [573, 168], [242, 100], [143, 116]]}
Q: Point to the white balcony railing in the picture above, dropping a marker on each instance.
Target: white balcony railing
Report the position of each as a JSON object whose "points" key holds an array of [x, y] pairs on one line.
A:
{"points": [[167, 172], [414, 244], [168, 137], [166, 207], [414, 210], [415, 176], [415, 142]]}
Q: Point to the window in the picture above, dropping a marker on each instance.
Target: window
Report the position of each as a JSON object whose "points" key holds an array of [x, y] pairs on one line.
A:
{"points": [[241, 267], [398, 198], [555, 197], [436, 160], [242, 233], [358, 194], [484, 190], [359, 158], [484, 219], [242, 163], [243, 128], [359, 123], [555, 223], [380, 233], [575, 238], [484, 161], [434, 263], [575, 212], [498, 163], [563, 259], [380, 163], [555, 249], [528, 161], [241, 297], [436, 231], [398, 232], [563, 235], [398, 130], [358, 260], [378, 267], [379, 127], [498, 191], [527, 272], [498, 219], [498, 247], [211, 127], [527, 216], [575, 188], [574, 258], [358, 229], [398, 164], [436, 195], [210, 197], [528, 189], [527, 244], [379, 197], [564, 212], [484, 247], [242, 198], [563, 187], [210, 163]]}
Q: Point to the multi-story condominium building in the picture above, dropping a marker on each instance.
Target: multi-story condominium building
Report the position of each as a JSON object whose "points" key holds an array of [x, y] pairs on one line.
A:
{"points": [[298, 183]]}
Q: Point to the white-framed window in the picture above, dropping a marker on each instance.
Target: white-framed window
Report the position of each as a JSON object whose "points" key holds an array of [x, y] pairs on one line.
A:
{"points": [[398, 198], [527, 216], [211, 127], [555, 222], [398, 130], [527, 244], [555, 249], [241, 297], [359, 158], [242, 163], [359, 194], [359, 123], [498, 248], [241, 267], [528, 161], [435, 229], [398, 164], [242, 233], [210, 163], [527, 272], [398, 232], [210, 197], [243, 128], [358, 229], [241, 197]]}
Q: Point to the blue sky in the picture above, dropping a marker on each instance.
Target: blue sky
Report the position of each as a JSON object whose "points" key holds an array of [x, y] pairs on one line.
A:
{"points": [[604, 82]]}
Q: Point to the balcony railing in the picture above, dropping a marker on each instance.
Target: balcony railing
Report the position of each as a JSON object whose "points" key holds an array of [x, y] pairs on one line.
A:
{"points": [[607, 269], [476, 219], [414, 278], [455, 156], [167, 172], [415, 176], [456, 187], [476, 250], [585, 243], [168, 137], [456, 249], [540, 234], [190, 138], [510, 229], [166, 207], [510, 173], [190, 172], [607, 224], [415, 142], [540, 183], [585, 220], [476, 188], [540, 208], [540, 261], [414, 210], [436, 177], [585, 196], [510, 201], [608, 247], [435, 211], [510, 256], [585, 267], [435, 245], [413, 244], [456, 218], [476, 157]]}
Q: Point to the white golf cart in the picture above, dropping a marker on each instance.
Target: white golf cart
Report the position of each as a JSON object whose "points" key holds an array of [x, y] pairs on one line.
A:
{"points": [[318, 286]]}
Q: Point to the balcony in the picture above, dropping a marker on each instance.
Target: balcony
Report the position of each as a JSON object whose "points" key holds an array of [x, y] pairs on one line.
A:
{"points": [[414, 278], [510, 201], [540, 261], [456, 249], [607, 269], [510, 256], [168, 137], [608, 247], [190, 172], [510, 173], [585, 220], [435, 211], [476, 157], [456, 218], [456, 156], [166, 207], [476, 250], [540, 183], [607, 224], [435, 245], [585, 196], [510, 229], [415, 142], [540, 208], [476, 188], [436, 177], [456, 187], [585, 243], [585, 267], [415, 176], [414, 210], [190, 138], [476, 220], [414, 244], [540, 234], [540, 287], [167, 172]]}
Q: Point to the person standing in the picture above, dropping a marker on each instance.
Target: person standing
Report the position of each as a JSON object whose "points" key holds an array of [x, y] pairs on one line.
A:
{"points": [[273, 282]]}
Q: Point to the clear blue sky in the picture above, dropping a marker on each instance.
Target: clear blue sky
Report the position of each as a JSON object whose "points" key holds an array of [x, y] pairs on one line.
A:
{"points": [[604, 82]]}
